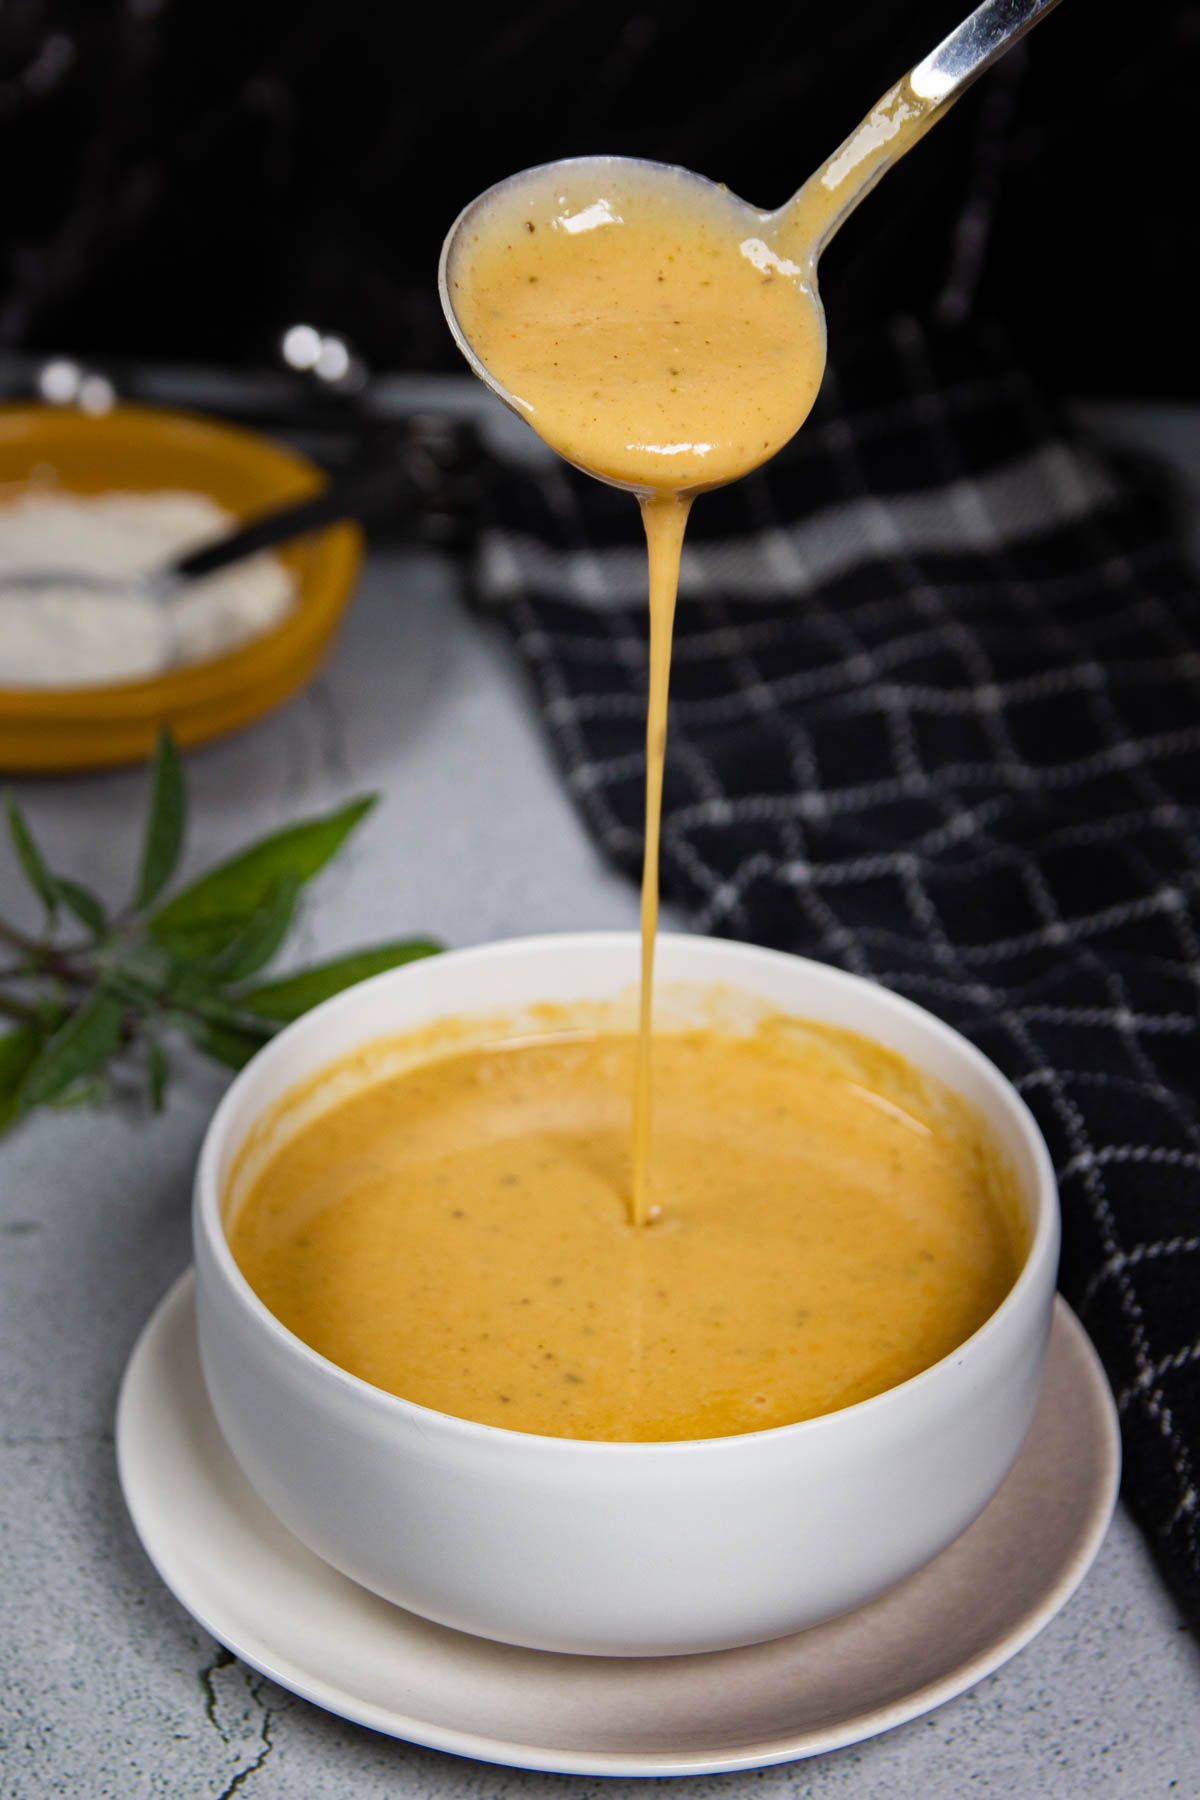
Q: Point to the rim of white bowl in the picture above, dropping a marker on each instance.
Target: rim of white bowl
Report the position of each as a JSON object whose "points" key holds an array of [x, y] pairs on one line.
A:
{"points": [[1043, 1245]]}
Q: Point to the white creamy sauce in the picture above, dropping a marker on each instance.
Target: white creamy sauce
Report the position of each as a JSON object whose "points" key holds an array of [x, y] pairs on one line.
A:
{"points": [[66, 637]]}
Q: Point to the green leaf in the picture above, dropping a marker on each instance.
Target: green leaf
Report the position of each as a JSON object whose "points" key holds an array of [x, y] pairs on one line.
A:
{"points": [[87, 1040], [200, 944], [17, 1050], [158, 1071], [295, 994], [139, 973], [166, 822], [86, 906], [254, 947], [90, 1090], [233, 1048], [200, 921], [28, 854], [193, 996]]}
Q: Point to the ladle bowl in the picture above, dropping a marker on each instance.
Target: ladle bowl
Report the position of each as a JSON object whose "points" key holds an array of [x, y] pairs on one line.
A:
{"points": [[789, 239], [573, 189]]}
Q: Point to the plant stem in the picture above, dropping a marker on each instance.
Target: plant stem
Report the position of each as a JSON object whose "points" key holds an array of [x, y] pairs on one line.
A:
{"points": [[16, 940], [57, 963]]}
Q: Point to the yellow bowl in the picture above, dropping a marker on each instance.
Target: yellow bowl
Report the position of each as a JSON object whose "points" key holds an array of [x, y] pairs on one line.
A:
{"points": [[140, 449]]}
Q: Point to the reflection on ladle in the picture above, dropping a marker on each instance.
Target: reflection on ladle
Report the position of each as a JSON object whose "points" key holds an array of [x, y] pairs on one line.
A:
{"points": [[666, 337]]}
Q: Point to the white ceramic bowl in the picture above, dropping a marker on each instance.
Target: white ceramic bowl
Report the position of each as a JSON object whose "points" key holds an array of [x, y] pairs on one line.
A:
{"points": [[619, 1549]]}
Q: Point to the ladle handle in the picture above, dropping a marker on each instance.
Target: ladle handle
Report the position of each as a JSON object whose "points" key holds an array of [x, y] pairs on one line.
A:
{"points": [[974, 46], [899, 120]]}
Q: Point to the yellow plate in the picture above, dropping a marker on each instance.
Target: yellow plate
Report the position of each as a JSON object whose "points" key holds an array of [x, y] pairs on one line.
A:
{"points": [[141, 449]]}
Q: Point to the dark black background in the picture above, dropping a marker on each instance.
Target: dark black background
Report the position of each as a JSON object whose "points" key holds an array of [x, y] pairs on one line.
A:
{"points": [[183, 178]]}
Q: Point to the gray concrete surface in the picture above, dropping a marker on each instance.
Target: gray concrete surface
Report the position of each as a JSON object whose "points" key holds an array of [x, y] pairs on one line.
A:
{"points": [[108, 1690]]}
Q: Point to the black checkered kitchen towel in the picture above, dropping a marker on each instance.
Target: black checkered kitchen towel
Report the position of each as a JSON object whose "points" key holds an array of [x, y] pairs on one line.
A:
{"points": [[935, 717]]}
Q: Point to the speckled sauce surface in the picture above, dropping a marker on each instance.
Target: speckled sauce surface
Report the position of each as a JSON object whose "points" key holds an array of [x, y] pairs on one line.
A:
{"points": [[107, 1687], [639, 325], [460, 1234]]}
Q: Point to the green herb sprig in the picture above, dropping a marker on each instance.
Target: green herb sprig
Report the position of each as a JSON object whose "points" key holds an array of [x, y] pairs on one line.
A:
{"points": [[94, 989]]}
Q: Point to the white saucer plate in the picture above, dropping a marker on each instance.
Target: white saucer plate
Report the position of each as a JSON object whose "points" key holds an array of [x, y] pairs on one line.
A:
{"points": [[257, 1589]]}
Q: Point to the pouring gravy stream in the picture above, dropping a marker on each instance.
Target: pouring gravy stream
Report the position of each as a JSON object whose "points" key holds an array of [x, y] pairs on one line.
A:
{"points": [[653, 332]]}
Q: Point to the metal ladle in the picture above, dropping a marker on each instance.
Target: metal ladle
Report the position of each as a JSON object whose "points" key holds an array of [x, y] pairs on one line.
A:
{"points": [[797, 231]]}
